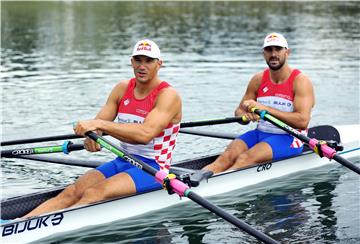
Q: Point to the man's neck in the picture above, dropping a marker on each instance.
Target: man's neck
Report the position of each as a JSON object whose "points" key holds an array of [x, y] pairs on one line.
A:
{"points": [[142, 89], [281, 75]]}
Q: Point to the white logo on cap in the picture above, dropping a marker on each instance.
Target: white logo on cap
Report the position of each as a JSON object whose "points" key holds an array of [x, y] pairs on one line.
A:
{"points": [[144, 46], [272, 37]]}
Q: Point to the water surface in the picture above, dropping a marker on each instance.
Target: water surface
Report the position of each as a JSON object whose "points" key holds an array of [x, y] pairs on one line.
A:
{"points": [[59, 61]]}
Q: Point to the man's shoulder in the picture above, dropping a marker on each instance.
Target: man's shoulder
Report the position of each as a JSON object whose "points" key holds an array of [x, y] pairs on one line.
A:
{"points": [[302, 77], [259, 75], [119, 89], [123, 84], [169, 90], [302, 82], [168, 94], [257, 78]]}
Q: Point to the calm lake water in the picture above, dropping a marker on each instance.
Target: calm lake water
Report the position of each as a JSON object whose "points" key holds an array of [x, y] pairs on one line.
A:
{"points": [[59, 61]]}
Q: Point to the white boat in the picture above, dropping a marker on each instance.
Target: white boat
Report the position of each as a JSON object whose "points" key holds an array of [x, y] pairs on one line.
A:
{"points": [[71, 219]]}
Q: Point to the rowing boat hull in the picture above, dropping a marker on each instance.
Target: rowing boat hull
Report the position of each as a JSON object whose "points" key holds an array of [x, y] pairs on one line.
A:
{"points": [[71, 219]]}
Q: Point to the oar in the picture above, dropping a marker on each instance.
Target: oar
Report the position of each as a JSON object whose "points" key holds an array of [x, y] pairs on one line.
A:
{"points": [[178, 187], [64, 161], [40, 139], [319, 147], [242, 120], [66, 148], [209, 134]]}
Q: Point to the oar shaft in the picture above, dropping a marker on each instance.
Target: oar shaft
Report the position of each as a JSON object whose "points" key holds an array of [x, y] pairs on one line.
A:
{"points": [[65, 148], [64, 161], [177, 186], [230, 218], [40, 139], [320, 148], [116, 150], [209, 134], [346, 163], [278, 123], [242, 120]]}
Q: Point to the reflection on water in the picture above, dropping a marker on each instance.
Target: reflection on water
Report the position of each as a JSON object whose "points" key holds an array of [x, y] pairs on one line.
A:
{"points": [[59, 61], [79, 50]]}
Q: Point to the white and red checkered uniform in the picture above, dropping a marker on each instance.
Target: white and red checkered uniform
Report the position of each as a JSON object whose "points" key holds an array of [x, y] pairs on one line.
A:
{"points": [[278, 96], [133, 110]]}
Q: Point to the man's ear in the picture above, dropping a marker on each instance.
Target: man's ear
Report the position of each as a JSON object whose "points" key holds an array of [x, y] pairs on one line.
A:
{"points": [[288, 51]]}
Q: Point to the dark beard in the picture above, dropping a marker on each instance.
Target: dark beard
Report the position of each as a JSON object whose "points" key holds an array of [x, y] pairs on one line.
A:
{"points": [[274, 68]]}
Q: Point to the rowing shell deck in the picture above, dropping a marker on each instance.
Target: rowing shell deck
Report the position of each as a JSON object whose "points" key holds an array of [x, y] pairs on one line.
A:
{"points": [[71, 219]]}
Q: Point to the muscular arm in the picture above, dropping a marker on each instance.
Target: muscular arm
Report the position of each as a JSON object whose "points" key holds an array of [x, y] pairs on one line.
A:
{"points": [[167, 110], [304, 100], [250, 94], [109, 110], [107, 113]]}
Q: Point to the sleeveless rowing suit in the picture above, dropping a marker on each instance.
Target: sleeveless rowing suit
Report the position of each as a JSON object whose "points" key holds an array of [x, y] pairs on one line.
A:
{"points": [[158, 152], [280, 97]]}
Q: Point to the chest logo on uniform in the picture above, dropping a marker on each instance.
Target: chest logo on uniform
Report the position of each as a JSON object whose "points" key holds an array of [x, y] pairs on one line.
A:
{"points": [[140, 111], [265, 89], [126, 102]]}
